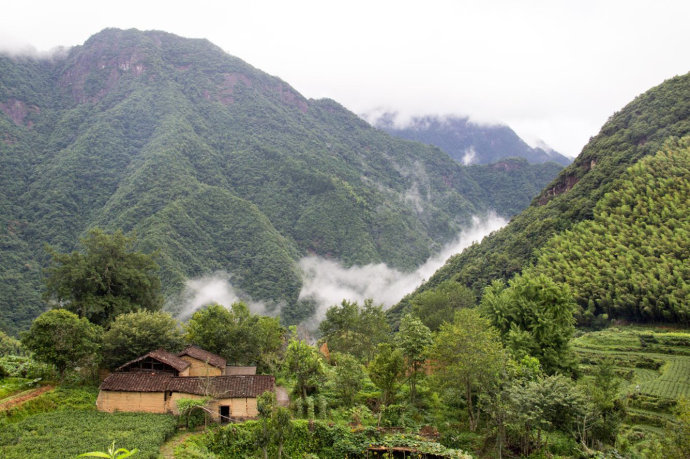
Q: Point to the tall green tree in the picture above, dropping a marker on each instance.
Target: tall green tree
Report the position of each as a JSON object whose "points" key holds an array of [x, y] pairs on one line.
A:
{"points": [[136, 333], [348, 378], [354, 329], [535, 317], [469, 360], [61, 338], [386, 371], [414, 339], [107, 278], [304, 363]]}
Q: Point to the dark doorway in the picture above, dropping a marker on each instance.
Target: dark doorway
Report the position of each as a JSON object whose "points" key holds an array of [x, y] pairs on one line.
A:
{"points": [[224, 413]]}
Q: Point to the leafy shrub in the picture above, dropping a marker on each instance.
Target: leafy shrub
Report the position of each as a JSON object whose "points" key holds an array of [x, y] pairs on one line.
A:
{"points": [[25, 367], [307, 438]]}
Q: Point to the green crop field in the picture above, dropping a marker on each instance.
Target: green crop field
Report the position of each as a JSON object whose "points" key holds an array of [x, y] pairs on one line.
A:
{"points": [[653, 364], [68, 433], [64, 423]]}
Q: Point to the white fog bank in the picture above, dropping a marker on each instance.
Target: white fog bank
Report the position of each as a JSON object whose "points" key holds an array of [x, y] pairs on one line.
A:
{"points": [[328, 282], [215, 288]]}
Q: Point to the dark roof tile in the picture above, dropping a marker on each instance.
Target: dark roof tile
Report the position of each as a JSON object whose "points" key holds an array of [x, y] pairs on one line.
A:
{"points": [[216, 386], [224, 386], [138, 381]]}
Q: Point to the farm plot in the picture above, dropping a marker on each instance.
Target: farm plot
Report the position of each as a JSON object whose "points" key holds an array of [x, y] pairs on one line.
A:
{"points": [[67, 433], [654, 365], [673, 382]]}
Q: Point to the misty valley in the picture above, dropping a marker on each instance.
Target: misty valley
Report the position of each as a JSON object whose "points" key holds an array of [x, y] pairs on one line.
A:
{"points": [[199, 261]]}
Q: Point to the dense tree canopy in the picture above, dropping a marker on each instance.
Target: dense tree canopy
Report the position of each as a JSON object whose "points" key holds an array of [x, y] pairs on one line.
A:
{"points": [[61, 338], [534, 315], [134, 334], [108, 279], [631, 260], [354, 329], [438, 305], [236, 334]]}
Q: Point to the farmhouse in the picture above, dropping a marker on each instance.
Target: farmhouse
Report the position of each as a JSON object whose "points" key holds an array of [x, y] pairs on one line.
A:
{"points": [[154, 382]]}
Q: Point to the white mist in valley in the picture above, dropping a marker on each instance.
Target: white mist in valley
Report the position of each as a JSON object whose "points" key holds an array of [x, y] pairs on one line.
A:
{"points": [[328, 282], [215, 288]]}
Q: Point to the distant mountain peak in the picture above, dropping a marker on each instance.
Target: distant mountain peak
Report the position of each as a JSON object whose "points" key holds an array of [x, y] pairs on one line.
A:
{"points": [[464, 140]]}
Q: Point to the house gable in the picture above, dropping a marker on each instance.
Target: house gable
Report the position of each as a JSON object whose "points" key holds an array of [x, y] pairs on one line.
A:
{"points": [[159, 361]]}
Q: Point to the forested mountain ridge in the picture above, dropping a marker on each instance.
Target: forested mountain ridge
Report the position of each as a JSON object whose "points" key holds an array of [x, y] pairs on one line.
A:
{"points": [[468, 142], [637, 131], [215, 165]]}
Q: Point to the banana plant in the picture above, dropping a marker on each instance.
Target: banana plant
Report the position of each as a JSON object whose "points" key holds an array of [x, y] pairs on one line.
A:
{"points": [[112, 453]]}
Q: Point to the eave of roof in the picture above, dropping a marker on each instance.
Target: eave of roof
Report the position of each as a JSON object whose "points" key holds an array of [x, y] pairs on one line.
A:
{"points": [[246, 386], [162, 356]]}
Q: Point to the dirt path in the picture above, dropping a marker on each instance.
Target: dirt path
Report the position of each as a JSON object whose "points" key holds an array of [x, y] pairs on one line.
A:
{"points": [[168, 448], [22, 397]]}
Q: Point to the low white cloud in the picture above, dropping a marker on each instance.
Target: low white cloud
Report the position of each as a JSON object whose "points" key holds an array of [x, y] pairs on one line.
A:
{"points": [[469, 156], [214, 288], [328, 282]]}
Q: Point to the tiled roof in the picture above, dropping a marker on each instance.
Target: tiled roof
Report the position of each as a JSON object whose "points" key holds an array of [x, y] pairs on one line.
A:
{"points": [[215, 386], [234, 370], [224, 386], [137, 381], [162, 356], [200, 354]]}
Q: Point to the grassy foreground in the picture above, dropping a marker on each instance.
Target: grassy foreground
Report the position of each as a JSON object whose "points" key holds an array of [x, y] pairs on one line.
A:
{"points": [[64, 423]]}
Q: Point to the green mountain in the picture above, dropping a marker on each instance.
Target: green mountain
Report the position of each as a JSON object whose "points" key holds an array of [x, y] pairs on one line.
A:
{"points": [[468, 142], [583, 192], [216, 166]]}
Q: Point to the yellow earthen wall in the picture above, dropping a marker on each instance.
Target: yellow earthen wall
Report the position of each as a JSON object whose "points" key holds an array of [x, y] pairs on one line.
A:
{"points": [[200, 368], [148, 402], [154, 402], [239, 407]]}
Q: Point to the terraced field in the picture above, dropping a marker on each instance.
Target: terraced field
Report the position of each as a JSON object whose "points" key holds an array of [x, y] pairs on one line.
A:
{"points": [[653, 364]]}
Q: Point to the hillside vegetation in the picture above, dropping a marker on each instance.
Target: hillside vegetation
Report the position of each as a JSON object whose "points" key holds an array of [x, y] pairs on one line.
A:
{"points": [[631, 260], [216, 166], [637, 131]]}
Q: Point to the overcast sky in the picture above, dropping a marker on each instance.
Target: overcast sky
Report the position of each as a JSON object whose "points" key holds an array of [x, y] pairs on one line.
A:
{"points": [[552, 70]]}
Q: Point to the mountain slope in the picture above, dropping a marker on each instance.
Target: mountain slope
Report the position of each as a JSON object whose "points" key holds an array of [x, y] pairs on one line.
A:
{"points": [[637, 131], [215, 164], [468, 142], [631, 260]]}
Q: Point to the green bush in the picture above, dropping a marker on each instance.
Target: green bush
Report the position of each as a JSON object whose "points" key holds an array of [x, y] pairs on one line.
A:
{"points": [[307, 438], [18, 366]]}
